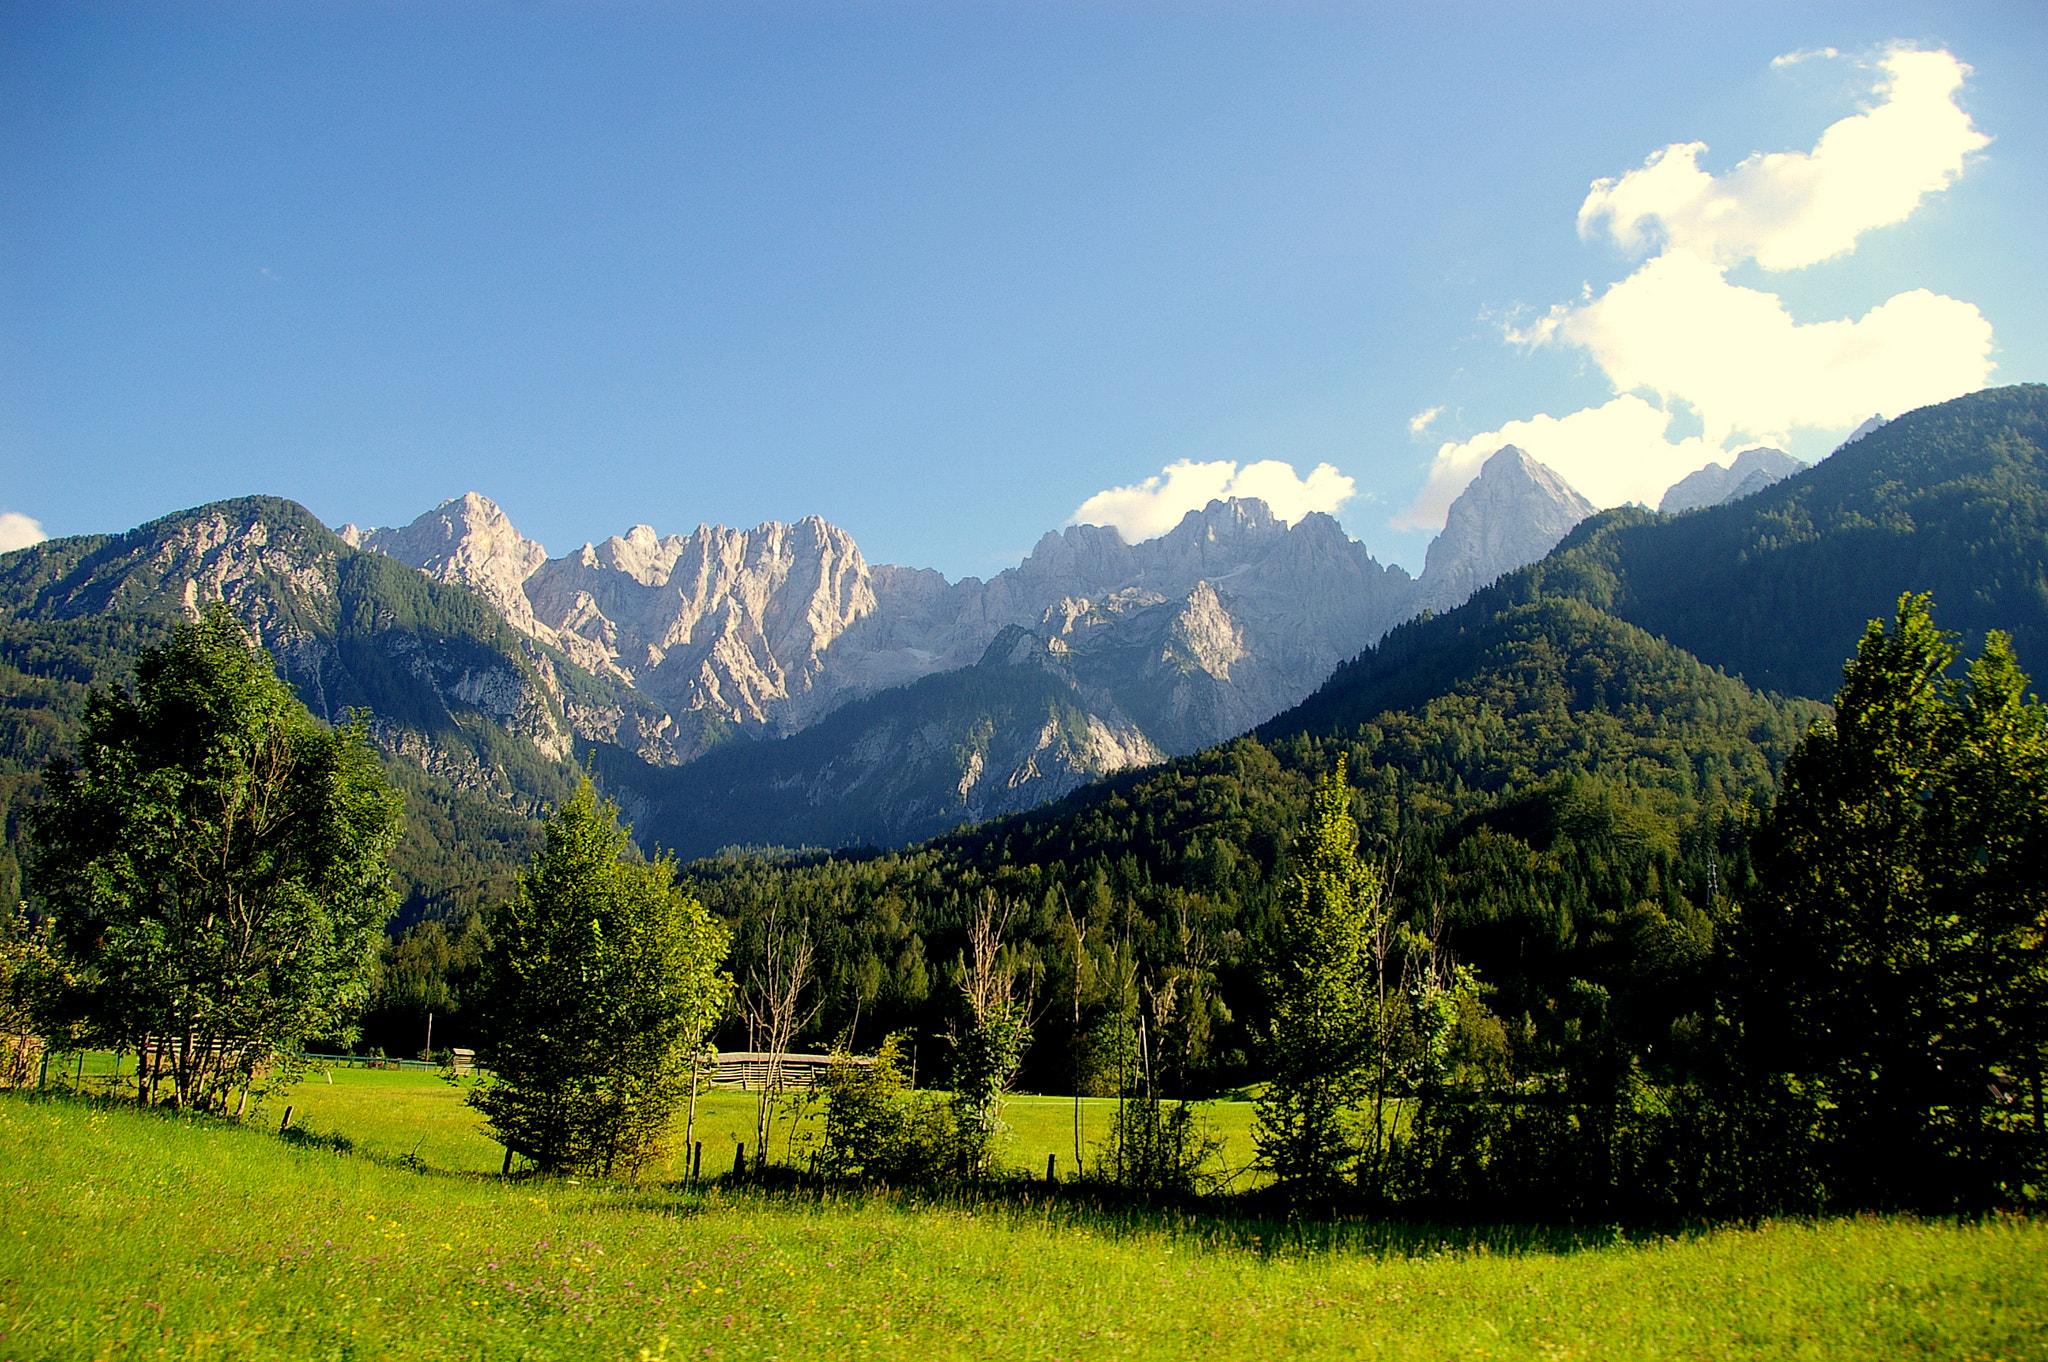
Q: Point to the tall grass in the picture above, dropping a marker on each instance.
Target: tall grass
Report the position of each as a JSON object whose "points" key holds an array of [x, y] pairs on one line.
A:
{"points": [[131, 1234]]}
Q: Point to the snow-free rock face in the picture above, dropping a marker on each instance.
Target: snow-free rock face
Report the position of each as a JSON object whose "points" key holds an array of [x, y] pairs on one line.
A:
{"points": [[1512, 514], [1089, 656], [1751, 471], [1225, 621], [469, 541], [724, 628]]}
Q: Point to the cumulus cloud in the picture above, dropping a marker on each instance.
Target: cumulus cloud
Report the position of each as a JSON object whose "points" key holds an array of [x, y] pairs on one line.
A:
{"points": [[1149, 509], [1677, 328], [17, 531], [1422, 420], [1789, 209], [1678, 331], [1612, 454]]}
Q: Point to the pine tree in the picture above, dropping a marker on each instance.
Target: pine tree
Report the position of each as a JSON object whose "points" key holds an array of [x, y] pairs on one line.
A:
{"points": [[1318, 979], [1894, 959], [602, 975]]}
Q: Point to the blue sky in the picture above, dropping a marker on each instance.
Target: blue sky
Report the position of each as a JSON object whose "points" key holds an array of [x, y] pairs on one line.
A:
{"points": [[943, 273]]}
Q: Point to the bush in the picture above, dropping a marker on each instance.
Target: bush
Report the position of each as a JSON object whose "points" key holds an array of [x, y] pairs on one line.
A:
{"points": [[1157, 1148], [878, 1130]]}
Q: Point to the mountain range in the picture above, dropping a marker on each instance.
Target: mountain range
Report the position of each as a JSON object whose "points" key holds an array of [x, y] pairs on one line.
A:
{"points": [[485, 669], [769, 686], [812, 697]]}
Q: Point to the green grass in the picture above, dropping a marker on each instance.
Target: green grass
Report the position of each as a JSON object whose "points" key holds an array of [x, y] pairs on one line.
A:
{"points": [[392, 1113], [129, 1234]]}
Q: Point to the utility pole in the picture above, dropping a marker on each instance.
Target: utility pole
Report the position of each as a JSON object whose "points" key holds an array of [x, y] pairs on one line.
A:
{"points": [[429, 1056]]}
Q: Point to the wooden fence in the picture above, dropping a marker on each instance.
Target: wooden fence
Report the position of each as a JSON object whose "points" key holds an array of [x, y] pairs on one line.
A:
{"points": [[748, 1070]]}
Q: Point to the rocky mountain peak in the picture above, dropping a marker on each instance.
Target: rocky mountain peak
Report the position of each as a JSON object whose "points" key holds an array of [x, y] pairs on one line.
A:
{"points": [[1512, 514], [467, 540], [1869, 424], [1751, 471], [1192, 636], [1231, 518]]}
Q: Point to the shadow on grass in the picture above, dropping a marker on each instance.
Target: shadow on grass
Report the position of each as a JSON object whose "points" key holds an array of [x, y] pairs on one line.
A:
{"points": [[1255, 1224]]}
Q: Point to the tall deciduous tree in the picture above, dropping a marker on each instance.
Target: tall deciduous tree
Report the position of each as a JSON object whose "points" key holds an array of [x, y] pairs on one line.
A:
{"points": [[216, 864], [1895, 958], [1319, 982], [600, 977]]}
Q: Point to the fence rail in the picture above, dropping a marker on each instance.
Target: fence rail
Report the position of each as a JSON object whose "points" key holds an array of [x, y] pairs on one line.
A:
{"points": [[371, 1062], [749, 1070]]}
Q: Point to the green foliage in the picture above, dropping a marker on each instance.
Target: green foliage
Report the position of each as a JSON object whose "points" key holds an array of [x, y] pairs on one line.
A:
{"points": [[990, 1044], [988, 1054], [216, 864], [29, 978], [1158, 1148], [432, 968], [1894, 957], [1320, 979], [1565, 803], [877, 1130], [599, 978], [353, 631]]}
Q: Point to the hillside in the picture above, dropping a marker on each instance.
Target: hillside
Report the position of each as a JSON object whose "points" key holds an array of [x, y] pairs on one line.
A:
{"points": [[474, 720], [1569, 783], [1777, 587], [1560, 779], [887, 770]]}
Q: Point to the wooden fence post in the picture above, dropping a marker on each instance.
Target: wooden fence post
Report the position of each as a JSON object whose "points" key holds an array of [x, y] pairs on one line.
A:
{"points": [[1052, 1163], [739, 1160]]}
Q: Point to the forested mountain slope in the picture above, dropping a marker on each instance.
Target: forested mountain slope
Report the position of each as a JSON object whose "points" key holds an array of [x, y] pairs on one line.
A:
{"points": [[1559, 766], [1567, 786], [1776, 588], [474, 720], [887, 770]]}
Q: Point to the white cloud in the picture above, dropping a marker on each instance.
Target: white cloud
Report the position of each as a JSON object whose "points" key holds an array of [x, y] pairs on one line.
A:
{"points": [[1678, 330], [1154, 506], [1804, 54], [1789, 209], [1422, 420], [1612, 454], [17, 531]]}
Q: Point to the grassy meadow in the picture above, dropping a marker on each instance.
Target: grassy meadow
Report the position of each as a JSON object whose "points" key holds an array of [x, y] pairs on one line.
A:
{"points": [[393, 1114], [131, 1234]]}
